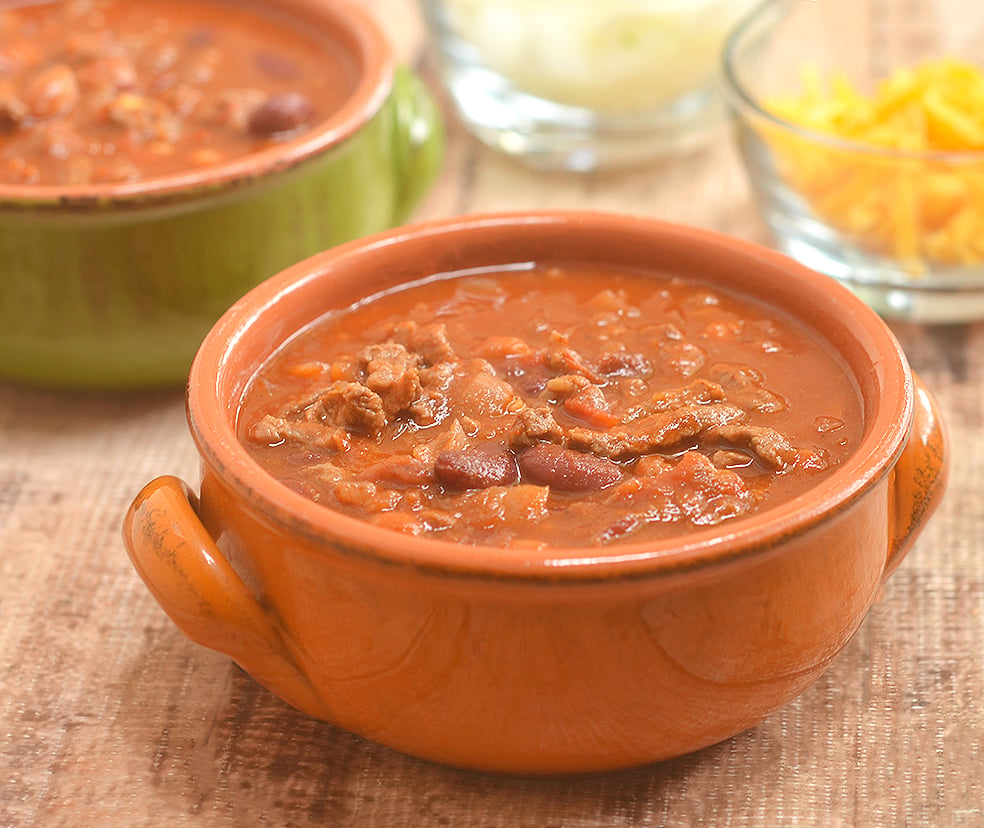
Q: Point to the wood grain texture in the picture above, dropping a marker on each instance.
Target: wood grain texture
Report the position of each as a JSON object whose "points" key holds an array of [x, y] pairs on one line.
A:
{"points": [[110, 717]]}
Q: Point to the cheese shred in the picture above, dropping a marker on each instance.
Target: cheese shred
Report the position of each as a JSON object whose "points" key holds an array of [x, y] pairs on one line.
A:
{"points": [[911, 203]]}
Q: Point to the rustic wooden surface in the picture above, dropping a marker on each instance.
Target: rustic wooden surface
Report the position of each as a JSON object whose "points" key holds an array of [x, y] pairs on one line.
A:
{"points": [[110, 717]]}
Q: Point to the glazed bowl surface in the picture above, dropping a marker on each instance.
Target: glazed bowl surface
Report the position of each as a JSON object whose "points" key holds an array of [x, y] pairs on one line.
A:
{"points": [[865, 152], [113, 285], [545, 659]]}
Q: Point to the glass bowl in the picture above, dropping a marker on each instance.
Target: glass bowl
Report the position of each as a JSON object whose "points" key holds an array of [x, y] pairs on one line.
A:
{"points": [[859, 127], [580, 85]]}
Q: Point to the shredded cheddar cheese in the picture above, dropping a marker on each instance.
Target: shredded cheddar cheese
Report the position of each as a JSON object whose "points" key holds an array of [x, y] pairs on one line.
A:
{"points": [[919, 209]]}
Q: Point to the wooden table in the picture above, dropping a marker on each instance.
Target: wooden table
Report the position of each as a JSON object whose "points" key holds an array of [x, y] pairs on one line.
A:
{"points": [[110, 717]]}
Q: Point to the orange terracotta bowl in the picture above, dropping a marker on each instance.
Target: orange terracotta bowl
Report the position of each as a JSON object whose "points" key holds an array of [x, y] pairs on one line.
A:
{"points": [[560, 660]]}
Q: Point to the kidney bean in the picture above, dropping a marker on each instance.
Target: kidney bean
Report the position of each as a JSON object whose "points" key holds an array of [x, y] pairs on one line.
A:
{"points": [[54, 92], [564, 469], [279, 113], [277, 66], [476, 467]]}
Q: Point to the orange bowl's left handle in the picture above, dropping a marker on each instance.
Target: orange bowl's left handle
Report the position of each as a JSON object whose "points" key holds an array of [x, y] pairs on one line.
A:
{"points": [[199, 590]]}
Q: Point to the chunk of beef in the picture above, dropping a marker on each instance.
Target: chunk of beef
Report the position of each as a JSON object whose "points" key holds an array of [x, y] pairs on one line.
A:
{"points": [[699, 392], [534, 423], [391, 372], [432, 405], [652, 464], [657, 431], [326, 473], [431, 343], [271, 429], [349, 405], [767, 443]]}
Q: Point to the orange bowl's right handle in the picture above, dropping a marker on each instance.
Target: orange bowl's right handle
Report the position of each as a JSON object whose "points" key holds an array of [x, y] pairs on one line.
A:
{"points": [[199, 590], [919, 477]]}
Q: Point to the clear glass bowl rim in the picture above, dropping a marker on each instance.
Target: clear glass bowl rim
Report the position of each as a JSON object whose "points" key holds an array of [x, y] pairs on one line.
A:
{"points": [[769, 13]]}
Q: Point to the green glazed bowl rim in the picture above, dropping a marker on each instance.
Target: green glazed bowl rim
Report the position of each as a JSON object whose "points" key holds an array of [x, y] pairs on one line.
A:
{"points": [[375, 65]]}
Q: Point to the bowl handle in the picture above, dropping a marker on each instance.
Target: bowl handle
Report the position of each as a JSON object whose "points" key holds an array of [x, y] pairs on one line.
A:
{"points": [[195, 585], [418, 141], [919, 477]]}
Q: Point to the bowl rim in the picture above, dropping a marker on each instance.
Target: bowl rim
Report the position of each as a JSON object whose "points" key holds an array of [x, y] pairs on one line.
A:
{"points": [[742, 98], [215, 387], [360, 38]]}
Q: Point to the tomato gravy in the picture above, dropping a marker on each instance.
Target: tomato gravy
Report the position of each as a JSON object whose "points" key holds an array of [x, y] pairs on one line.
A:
{"points": [[552, 406], [115, 91]]}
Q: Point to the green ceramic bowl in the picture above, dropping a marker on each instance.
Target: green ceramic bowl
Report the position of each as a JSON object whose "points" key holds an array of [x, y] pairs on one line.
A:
{"points": [[115, 286]]}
